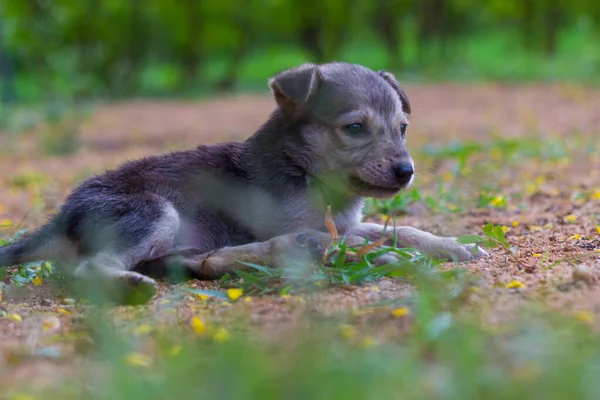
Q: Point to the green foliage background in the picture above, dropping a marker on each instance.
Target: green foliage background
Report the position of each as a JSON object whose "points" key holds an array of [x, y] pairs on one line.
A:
{"points": [[88, 48]]}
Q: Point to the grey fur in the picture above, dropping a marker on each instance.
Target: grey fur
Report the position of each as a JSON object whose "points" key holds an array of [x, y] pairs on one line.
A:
{"points": [[246, 200]]}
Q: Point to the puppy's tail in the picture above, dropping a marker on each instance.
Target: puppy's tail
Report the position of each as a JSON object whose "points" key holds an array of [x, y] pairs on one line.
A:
{"points": [[43, 244]]}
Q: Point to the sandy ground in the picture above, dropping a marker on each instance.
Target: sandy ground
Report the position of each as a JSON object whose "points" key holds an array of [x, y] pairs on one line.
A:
{"points": [[553, 230]]}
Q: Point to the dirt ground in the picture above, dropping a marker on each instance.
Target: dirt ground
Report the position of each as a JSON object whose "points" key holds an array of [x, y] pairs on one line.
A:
{"points": [[555, 233]]}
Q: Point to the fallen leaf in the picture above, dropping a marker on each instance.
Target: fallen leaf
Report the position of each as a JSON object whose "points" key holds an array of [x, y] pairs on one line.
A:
{"points": [[221, 335], [14, 317], [400, 312], [138, 360], [234, 293], [514, 284], [142, 330], [198, 325], [330, 225]]}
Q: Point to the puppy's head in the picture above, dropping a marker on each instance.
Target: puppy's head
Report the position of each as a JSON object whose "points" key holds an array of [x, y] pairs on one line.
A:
{"points": [[348, 127]]}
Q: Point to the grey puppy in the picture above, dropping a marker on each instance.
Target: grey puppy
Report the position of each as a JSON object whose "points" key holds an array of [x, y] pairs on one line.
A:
{"points": [[337, 136]]}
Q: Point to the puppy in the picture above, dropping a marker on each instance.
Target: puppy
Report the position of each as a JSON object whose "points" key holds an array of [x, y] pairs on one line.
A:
{"points": [[338, 135]]}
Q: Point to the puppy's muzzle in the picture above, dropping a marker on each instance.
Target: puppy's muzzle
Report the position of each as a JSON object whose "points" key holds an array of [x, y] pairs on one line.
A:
{"points": [[404, 172]]}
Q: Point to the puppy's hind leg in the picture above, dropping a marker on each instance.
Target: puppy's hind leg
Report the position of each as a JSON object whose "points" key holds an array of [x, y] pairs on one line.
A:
{"points": [[105, 277], [107, 273]]}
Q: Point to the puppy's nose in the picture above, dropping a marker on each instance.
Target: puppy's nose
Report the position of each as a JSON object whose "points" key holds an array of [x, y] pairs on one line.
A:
{"points": [[404, 172]]}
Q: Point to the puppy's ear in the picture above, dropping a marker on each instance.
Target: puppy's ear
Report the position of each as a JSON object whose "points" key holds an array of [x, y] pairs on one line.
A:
{"points": [[294, 87], [391, 79]]}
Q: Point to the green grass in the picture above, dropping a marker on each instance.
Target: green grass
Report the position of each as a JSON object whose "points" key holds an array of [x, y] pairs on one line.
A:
{"points": [[447, 354]]}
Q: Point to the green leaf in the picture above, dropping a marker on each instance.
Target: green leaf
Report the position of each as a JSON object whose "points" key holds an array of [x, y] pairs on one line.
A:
{"points": [[251, 280], [488, 230], [266, 270], [286, 290], [470, 239]]}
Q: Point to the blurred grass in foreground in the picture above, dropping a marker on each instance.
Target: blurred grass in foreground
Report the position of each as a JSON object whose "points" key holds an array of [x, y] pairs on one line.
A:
{"points": [[445, 352]]}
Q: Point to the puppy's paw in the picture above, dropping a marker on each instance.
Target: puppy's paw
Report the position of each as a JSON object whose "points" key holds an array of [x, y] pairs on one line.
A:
{"points": [[451, 250], [135, 288], [303, 247]]}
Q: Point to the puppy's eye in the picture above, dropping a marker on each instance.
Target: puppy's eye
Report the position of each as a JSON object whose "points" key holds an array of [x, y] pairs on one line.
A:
{"points": [[355, 129], [403, 129]]}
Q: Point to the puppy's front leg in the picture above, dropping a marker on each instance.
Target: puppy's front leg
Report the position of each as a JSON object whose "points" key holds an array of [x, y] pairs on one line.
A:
{"points": [[276, 252], [440, 247]]}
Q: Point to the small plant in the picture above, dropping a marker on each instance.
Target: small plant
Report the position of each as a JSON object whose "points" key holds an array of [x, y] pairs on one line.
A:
{"points": [[30, 273], [340, 265], [493, 237]]}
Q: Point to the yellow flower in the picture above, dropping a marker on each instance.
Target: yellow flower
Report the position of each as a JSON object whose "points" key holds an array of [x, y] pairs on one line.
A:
{"points": [[63, 311], [498, 201], [368, 342], [516, 223], [175, 350], [585, 316], [21, 396], [596, 194], [530, 188], [598, 229], [496, 154], [576, 236], [235, 294], [571, 218], [14, 317], [400, 312], [221, 335], [514, 284], [50, 323], [6, 223], [527, 373], [247, 299], [37, 281], [505, 228], [138, 360], [142, 329], [286, 296], [348, 331], [198, 325], [202, 296], [539, 180], [535, 228], [537, 254], [447, 176]]}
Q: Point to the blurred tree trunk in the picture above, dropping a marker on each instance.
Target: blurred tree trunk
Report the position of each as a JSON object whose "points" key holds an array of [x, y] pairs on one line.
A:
{"points": [[528, 25], [6, 69], [310, 34], [553, 21], [429, 22], [136, 48], [229, 80], [385, 24], [190, 55]]}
